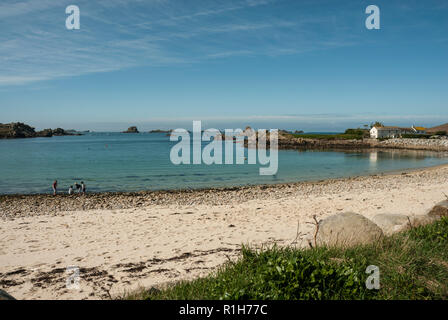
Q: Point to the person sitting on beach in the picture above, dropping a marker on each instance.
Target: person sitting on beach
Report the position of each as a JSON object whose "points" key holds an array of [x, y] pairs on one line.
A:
{"points": [[78, 187], [83, 187], [55, 187], [70, 190]]}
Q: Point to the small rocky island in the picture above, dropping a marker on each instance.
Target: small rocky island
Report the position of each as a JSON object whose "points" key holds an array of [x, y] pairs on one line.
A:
{"points": [[131, 130], [160, 131], [17, 130]]}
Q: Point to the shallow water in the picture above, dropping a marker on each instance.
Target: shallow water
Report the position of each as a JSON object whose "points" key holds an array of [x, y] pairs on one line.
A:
{"points": [[133, 162]]}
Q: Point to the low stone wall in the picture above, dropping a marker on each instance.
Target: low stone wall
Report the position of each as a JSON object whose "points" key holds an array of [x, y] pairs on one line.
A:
{"points": [[420, 144], [286, 142]]}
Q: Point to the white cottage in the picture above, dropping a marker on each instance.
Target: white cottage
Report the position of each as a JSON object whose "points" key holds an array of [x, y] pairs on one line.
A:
{"points": [[385, 132], [394, 132]]}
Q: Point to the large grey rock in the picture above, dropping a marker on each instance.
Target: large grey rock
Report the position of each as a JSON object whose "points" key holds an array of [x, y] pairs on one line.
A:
{"points": [[346, 229], [390, 223], [439, 210], [5, 296], [417, 221], [421, 220]]}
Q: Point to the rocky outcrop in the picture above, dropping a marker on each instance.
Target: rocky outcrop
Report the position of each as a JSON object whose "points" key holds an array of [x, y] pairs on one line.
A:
{"points": [[60, 132], [21, 130], [346, 229], [16, 130], [55, 132], [45, 133], [131, 130]]}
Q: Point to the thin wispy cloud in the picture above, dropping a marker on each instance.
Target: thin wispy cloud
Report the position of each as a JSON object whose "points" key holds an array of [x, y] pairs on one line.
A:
{"points": [[307, 122], [120, 34]]}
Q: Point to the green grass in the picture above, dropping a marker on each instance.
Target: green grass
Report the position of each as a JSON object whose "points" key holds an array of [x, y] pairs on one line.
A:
{"points": [[413, 265], [349, 134]]}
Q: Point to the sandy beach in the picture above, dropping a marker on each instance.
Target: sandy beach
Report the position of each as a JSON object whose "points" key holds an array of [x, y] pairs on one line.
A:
{"points": [[121, 242]]}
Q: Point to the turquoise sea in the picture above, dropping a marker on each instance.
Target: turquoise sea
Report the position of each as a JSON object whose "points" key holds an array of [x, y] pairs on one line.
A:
{"points": [[135, 162]]}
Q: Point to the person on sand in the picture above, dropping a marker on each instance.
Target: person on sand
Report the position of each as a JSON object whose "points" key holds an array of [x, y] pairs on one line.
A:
{"points": [[83, 187], [70, 190], [55, 187], [78, 187]]}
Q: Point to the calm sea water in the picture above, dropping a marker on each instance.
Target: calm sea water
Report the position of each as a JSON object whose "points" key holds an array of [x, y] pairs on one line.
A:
{"points": [[134, 162]]}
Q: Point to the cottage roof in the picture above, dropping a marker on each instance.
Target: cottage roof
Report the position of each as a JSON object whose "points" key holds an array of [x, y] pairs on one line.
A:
{"points": [[420, 128], [394, 128], [387, 128]]}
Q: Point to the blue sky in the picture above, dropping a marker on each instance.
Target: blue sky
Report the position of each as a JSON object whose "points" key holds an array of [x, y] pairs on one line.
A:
{"points": [[295, 64]]}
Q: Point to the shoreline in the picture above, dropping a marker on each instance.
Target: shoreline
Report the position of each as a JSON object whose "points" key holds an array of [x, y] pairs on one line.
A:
{"points": [[176, 236], [310, 149], [226, 188], [132, 199]]}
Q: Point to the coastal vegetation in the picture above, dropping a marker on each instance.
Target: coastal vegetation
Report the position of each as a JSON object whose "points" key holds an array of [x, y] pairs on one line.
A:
{"points": [[412, 264], [349, 134], [377, 124]]}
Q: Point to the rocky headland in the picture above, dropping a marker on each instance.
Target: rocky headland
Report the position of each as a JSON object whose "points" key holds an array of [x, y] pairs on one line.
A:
{"points": [[17, 130]]}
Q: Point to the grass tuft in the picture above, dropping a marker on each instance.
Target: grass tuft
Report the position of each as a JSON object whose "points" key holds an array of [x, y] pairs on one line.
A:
{"points": [[412, 264]]}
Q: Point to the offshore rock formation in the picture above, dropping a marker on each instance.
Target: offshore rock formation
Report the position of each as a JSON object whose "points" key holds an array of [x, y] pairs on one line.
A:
{"points": [[20, 130], [131, 130], [16, 130], [160, 131]]}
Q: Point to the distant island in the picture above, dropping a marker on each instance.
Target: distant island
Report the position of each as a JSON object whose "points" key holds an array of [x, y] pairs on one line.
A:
{"points": [[77, 132], [160, 131], [131, 130], [17, 130]]}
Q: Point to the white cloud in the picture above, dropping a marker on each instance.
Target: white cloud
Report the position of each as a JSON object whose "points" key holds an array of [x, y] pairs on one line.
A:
{"points": [[119, 34]]}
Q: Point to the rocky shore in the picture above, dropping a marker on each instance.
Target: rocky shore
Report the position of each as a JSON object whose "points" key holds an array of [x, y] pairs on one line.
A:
{"points": [[20, 130], [290, 142]]}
